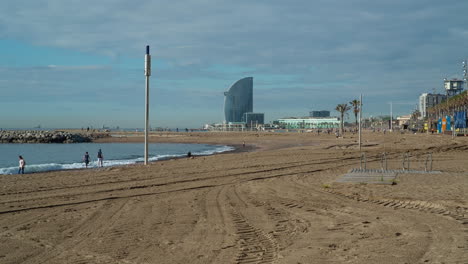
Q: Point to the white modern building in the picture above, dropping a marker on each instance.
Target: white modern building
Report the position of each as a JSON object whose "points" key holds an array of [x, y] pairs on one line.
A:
{"points": [[427, 100], [453, 87]]}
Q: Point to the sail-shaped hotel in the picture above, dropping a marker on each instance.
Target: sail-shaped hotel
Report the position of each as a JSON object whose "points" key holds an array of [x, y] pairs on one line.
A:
{"points": [[238, 100]]}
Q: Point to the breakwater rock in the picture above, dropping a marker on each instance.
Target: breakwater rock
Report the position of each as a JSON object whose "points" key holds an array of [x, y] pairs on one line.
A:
{"points": [[7, 136]]}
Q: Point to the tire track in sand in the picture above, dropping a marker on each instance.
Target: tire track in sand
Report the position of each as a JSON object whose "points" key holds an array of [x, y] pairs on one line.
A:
{"points": [[255, 246], [77, 235], [458, 215]]}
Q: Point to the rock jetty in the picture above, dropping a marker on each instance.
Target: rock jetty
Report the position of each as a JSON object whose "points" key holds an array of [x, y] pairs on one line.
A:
{"points": [[7, 136]]}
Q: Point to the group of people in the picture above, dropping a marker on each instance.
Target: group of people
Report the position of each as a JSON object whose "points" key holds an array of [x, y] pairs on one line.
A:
{"points": [[87, 159]]}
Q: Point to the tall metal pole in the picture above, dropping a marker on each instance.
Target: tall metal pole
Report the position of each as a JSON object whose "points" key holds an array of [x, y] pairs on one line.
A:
{"points": [[360, 120], [147, 74], [391, 116], [465, 73]]}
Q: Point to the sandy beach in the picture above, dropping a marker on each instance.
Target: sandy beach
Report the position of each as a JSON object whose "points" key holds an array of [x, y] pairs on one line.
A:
{"points": [[276, 200]]}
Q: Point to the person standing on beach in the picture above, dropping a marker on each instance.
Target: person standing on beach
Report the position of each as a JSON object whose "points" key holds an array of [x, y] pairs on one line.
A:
{"points": [[86, 159], [100, 158], [22, 164]]}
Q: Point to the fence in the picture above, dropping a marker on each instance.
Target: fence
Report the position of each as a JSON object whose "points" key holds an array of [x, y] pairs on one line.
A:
{"points": [[425, 163]]}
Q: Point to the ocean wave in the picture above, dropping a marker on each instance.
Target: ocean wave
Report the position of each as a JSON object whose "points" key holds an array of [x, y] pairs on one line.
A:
{"points": [[32, 168]]}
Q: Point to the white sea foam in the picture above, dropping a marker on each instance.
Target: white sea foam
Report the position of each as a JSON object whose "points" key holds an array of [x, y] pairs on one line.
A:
{"points": [[31, 168]]}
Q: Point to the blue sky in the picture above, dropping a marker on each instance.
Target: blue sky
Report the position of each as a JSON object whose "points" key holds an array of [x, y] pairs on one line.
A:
{"points": [[80, 63]]}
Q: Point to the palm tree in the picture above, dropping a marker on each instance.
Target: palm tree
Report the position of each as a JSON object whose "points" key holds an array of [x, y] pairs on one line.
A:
{"points": [[415, 115], [356, 104], [342, 108]]}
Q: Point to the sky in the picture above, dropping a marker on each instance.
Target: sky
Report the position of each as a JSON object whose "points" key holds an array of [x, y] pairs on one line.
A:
{"points": [[80, 63]]}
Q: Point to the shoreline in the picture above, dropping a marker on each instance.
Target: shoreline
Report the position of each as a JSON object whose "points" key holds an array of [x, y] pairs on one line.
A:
{"points": [[236, 149]]}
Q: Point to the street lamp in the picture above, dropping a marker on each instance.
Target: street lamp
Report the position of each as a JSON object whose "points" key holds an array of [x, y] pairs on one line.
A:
{"points": [[147, 74]]}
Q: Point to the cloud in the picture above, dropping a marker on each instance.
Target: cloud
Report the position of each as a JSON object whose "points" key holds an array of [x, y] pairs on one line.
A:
{"points": [[336, 48], [80, 67], [241, 32]]}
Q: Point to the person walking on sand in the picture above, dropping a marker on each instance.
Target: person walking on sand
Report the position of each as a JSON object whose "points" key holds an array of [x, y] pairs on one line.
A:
{"points": [[100, 158], [22, 164], [86, 159]]}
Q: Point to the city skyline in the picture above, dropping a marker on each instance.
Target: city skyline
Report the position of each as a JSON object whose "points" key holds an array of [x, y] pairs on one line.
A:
{"points": [[82, 64]]}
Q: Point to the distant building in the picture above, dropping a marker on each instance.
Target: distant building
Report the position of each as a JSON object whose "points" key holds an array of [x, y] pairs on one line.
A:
{"points": [[427, 100], [453, 87], [323, 113], [252, 119], [307, 123], [231, 126], [403, 120], [238, 100]]}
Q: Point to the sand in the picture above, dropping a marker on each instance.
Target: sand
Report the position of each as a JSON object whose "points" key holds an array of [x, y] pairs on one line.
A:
{"points": [[274, 201]]}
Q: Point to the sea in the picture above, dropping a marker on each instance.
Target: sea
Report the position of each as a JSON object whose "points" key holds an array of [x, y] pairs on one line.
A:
{"points": [[51, 157]]}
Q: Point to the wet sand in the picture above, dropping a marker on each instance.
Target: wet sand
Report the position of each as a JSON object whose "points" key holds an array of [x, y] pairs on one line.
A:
{"points": [[274, 201]]}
